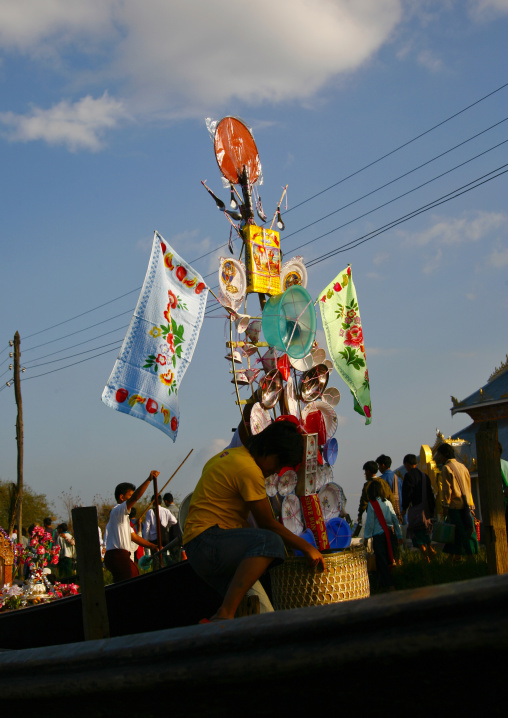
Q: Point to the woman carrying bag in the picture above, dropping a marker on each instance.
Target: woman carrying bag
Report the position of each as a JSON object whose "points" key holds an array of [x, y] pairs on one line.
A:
{"points": [[383, 526]]}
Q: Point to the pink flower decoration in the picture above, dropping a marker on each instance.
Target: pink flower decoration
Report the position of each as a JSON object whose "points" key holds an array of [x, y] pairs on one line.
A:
{"points": [[33, 542], [54, 560], [337, 287], [170, 341], [41, 550], [161, 359], [354, 336], [323, 298], [366, 411]]}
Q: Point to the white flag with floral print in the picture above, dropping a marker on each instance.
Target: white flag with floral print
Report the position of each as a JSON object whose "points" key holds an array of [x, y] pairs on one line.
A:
{"points": [[344, 337], [160, 341]]}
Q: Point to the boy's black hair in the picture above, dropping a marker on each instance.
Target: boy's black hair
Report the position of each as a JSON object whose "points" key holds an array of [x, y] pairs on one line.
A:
{"points": [[371, 467], [62, 527], [446, 451], [133, 513], [375, 490], [47, 521], [281, 438], [169, 498], [410, 459], [384, 460], [122, 488]]}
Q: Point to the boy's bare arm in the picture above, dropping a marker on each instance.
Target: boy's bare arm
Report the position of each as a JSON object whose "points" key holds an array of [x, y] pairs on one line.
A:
{"points": [[141, 489], [143, 542]]}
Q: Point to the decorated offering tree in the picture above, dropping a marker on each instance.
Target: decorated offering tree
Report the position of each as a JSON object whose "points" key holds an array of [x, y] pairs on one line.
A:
{"points": [[273, 353]]}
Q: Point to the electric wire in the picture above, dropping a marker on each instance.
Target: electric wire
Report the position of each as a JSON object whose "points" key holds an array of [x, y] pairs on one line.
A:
{"points": [[405, 144], [53, 326], [71, 356], [474, 184], [79, 331], [431, 205], [73, 346], [335, 184], [36, 376], [405, 174]]}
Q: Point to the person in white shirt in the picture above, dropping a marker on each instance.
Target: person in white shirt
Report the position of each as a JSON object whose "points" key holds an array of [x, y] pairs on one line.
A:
{"points": [[67, 550], [117, 558], [166, 520]]}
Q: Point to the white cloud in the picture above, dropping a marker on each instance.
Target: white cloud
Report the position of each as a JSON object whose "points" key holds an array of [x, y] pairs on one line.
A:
{"points": [[181, 58], [78, 125], [428, 59], [498, 258], [458, 230], [380, 258], [486, 10]]}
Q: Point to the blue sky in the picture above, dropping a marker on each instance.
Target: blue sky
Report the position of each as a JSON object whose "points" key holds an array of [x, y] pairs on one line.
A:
{"points": [[103, 140]]}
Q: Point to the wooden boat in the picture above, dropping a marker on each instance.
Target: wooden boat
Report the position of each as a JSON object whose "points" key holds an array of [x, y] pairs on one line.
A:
{"points": [[172, 597]]}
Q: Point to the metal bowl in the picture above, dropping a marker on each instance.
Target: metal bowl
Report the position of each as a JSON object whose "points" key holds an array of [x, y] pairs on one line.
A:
{"points": [[271, 388], [313, 383]]}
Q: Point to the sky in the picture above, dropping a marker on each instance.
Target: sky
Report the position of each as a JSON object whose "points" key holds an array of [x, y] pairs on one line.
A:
{"points": [[368, 111]]}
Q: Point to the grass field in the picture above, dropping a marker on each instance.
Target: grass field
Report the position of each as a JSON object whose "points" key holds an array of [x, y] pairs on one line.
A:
{"points": [[415, 571]]}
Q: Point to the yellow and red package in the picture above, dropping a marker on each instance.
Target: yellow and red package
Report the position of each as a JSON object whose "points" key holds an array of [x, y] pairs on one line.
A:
{"points": [[262, 259]]}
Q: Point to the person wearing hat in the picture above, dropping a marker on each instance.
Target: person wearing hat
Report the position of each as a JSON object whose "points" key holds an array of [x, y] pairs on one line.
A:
{"points": [[220, 547]]}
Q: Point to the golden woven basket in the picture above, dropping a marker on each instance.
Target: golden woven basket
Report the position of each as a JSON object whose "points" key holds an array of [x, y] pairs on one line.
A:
{"points": [[296, 585]]}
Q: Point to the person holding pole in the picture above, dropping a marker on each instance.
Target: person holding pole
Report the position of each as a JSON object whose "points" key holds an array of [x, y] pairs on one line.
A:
{"points": [[117, 558]]}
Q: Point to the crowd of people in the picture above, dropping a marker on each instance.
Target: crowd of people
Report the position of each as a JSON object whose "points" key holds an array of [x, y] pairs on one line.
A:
{"points": [[231, 536], [393, 503]]}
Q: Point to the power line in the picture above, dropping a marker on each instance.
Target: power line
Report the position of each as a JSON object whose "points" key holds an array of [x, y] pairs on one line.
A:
{"points": [[405, 174], [73, 346], [404, 194], [431, 205], [80, 331], [108, 351], [370, 164], [83, 313], [405, 144], [71, 356]]}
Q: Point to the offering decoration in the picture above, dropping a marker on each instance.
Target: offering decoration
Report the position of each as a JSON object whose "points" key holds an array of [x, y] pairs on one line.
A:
{"points": [[278, 342], [39, 554]]}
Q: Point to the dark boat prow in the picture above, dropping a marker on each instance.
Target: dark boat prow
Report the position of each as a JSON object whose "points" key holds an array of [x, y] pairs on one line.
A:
{"points": [[172, 597]]}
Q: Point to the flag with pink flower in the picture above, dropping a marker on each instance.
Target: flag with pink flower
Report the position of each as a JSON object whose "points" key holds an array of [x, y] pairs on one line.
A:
{"points": [[160, 341], [344, 337]]}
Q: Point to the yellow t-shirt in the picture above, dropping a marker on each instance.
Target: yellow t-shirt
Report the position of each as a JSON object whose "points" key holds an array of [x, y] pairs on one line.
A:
{"points": [[229, 480]]}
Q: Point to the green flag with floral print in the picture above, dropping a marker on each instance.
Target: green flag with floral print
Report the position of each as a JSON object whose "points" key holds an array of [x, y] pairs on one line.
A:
{"points": [[344, 337]]}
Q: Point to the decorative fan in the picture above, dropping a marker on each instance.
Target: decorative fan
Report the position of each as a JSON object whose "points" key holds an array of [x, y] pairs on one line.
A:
{"points": [[287, 482], [289, 321], [271, 483], [339, 533], [235, 149], [292, 516], [330, 500]]}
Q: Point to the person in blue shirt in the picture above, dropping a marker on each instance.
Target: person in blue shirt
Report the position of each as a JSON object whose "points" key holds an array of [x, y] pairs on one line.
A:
{"points": [[385, 555], [384, 462]]}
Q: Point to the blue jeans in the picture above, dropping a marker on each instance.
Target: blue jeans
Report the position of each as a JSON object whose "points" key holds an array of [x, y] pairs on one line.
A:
{"points": [[216, 553]]}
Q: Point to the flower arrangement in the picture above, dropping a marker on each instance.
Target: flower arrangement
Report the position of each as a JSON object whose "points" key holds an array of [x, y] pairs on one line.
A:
{"points": [[40, 550], [10, 597]]}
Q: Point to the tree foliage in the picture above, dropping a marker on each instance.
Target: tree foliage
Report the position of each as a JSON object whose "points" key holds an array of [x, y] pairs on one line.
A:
{"points": [[36, 507]]}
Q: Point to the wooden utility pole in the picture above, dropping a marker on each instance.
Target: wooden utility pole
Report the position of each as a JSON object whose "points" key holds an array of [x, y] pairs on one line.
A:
{"points": [[158, 562], [491, 497], [91, 580], [19, 434]]}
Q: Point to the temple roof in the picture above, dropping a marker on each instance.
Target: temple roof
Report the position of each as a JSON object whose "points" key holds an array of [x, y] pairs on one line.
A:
{"points": [[492, 394]]}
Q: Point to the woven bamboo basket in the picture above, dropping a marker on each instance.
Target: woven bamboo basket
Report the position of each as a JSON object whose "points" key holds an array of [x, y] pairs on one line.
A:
{"points": [[296, 585]]}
